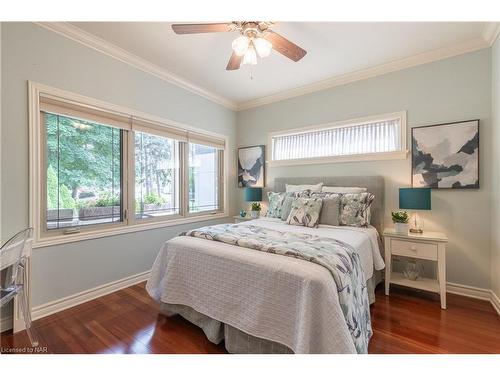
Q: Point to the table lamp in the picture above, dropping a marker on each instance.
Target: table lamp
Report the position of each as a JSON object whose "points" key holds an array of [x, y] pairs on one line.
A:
{"points": [[415, 199], [253, 195]]}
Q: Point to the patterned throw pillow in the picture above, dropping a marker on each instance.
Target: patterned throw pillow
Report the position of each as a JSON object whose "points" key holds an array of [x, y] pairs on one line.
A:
{"points": [[276, 201], [286, 208], [355, 209], [305, 212]]}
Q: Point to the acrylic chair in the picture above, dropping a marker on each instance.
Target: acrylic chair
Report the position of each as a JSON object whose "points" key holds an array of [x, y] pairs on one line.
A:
{"points": [[13, 266]]}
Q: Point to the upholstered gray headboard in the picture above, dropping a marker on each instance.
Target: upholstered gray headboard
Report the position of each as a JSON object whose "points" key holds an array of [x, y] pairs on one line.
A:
{"points": [[374, 184]]}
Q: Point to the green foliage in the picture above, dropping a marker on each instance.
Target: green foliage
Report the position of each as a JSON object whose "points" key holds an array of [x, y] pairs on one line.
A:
{"points": [[400, 217], [256, 206], [51, 188], [84, 204], [153, 198], [154, 167], [106, 200], [65, 198], [87, 154]]}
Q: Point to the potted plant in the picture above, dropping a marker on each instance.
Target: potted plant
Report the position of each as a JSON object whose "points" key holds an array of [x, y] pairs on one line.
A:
{"points": [[255, 210], [400, 220]]}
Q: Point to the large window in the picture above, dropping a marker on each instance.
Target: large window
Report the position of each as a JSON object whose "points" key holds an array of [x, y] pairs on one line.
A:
{"points": [[99, 169], [373, 136], [83, 172]]}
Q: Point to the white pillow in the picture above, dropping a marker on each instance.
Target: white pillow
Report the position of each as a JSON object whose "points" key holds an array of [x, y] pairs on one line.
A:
{"points": [[297, 188], [343, 190]]}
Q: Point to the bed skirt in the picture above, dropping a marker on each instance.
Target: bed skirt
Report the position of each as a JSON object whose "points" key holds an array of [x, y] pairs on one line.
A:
{"points": [[235, 340]]}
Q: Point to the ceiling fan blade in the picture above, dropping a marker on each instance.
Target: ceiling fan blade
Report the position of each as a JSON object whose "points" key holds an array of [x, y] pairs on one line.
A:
{"points": [[284, 46], [196, 28], [234, 62]]}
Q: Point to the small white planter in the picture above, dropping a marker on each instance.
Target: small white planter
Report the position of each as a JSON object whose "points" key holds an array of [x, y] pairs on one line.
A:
{"points": [[254, 214], [401, 228]]}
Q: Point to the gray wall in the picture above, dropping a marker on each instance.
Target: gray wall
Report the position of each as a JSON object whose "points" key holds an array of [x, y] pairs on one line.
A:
{"points": [[30, 52], [495, 170], [454, 89]]}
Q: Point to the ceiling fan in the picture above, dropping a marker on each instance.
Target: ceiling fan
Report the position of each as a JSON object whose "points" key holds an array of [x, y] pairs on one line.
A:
{"points": [[256, 39]]}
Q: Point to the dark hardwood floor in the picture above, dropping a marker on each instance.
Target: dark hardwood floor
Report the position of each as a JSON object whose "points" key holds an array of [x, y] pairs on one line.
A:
{"points": [[127, 321]]}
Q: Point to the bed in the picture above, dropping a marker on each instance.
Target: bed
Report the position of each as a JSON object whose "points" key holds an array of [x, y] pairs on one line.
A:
{"points": [[258, 302]]}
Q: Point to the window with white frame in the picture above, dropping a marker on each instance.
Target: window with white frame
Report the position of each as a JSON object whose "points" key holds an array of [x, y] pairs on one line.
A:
{"points": [[93, 165], [203, 177], [373, 136], [83, 168], [157, 181]]}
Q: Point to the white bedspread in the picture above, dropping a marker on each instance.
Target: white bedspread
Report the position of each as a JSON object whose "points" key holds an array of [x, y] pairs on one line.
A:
{"points": [[278, 298]]}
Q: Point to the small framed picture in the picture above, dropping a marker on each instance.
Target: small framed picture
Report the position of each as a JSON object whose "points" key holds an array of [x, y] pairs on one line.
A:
{"points": [[446, 156], [251, 166]]}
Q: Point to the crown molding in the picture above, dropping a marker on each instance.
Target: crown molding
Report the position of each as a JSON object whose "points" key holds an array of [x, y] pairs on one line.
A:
{"points": [[407, 62], [78, 35], [490, 32], [488, 37]]}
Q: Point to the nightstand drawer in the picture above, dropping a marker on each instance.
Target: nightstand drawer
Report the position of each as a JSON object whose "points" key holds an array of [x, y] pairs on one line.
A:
{"points": [[414, 249]]}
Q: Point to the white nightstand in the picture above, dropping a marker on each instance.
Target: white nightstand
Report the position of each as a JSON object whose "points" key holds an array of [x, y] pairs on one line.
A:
{"points": [[429, 246], [239, 219]]}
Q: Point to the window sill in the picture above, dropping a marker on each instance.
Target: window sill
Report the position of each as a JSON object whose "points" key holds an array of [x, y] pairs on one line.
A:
{"points": [[395, 155], [91, 235]]}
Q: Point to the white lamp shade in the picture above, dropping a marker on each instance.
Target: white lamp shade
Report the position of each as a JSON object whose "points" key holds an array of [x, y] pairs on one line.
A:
{"points": [[262, 46], [240, 45], [250, 57]]}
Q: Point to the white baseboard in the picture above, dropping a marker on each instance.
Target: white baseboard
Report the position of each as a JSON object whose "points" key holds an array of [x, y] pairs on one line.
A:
{"points": [[5, 323], [469, 291], [99, 291], [495, 301], [76, 299]]}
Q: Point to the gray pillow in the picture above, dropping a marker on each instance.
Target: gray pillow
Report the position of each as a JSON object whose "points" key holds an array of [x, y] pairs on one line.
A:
{"points": [[286, 207], [331, 211]]}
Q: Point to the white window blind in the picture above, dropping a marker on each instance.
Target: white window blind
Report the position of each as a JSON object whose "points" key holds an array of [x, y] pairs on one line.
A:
{"points": [[85, 112], [348, 139]]}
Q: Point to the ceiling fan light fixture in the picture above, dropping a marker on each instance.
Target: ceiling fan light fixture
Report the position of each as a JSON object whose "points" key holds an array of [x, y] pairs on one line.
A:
{"points": [[240, 45], [262, 46], [250, 57], [255, 40]]}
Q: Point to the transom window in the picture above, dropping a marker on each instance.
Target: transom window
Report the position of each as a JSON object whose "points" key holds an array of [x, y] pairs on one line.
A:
{"points": [[370, 136], [103, 169]]}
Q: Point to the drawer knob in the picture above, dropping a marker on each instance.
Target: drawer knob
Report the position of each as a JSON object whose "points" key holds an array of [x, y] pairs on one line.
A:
{"points": [[413, 248]]}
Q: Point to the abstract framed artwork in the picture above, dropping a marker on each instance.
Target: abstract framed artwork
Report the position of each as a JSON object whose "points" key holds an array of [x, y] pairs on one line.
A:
{"points": [[251, 166], [446, 156]]}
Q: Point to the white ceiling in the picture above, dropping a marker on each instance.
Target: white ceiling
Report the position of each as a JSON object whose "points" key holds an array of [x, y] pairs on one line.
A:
{"points": [[333, 49]]}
